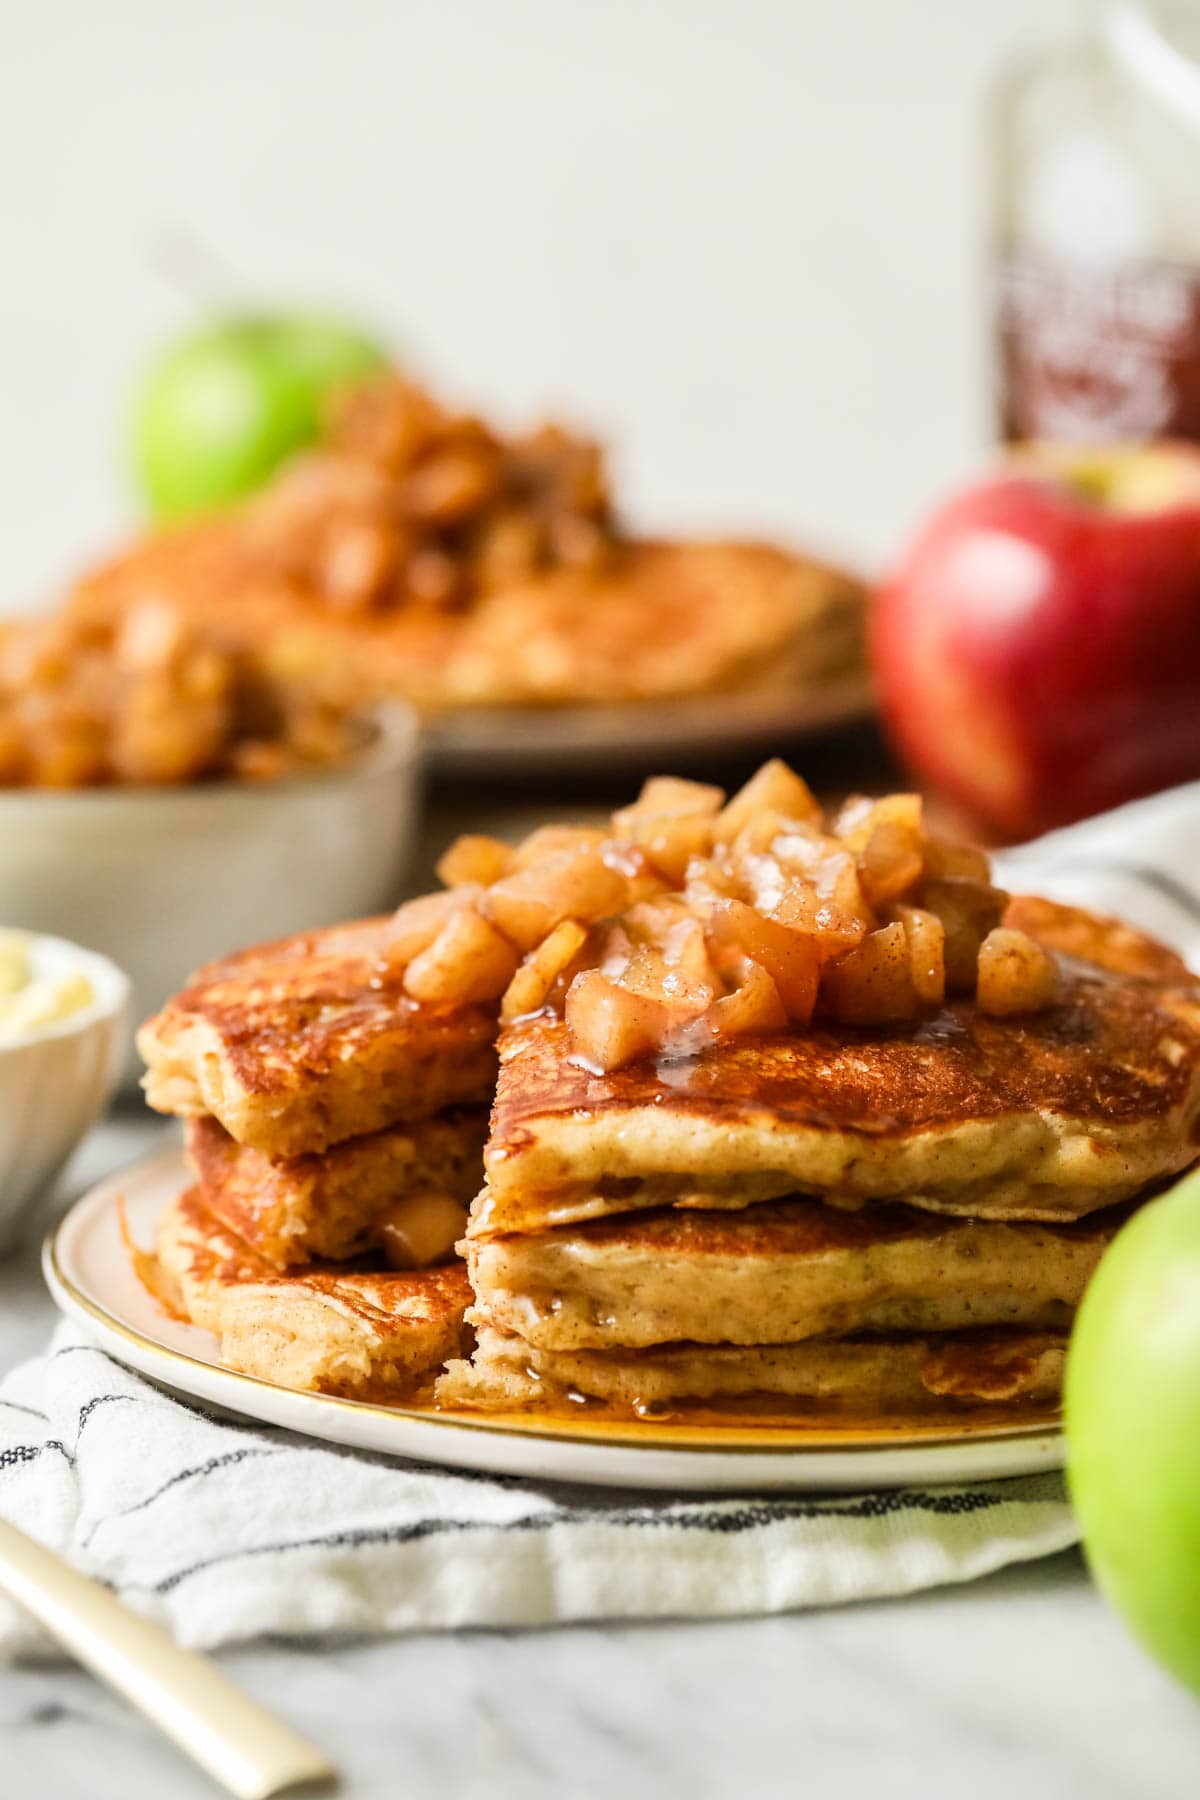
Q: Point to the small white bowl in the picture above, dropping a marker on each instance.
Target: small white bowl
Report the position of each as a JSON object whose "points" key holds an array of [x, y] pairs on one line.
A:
{"points": [[56, 1081], [164, 879]]}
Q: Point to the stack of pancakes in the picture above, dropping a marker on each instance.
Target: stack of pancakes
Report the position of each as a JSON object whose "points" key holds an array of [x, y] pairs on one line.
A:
{"points": [[890, 1221], [335, 1130]]}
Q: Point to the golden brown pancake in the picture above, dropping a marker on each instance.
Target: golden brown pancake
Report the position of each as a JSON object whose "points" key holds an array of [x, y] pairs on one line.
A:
{"points": [[347, 1200], [362, 1334], [865, 1377], [1047, 1116], [1104, 942], [302, 1043], [779, 1273]]}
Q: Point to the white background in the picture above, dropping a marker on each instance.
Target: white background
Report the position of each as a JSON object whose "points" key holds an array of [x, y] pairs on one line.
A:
{"points": [[743, 238]]}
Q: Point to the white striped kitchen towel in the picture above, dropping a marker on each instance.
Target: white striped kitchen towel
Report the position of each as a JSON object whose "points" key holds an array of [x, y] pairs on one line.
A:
{"points": [[228, 1531]]}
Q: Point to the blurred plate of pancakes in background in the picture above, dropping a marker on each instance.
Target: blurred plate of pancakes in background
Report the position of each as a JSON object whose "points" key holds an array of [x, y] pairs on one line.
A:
{"points": [[416, 553]]}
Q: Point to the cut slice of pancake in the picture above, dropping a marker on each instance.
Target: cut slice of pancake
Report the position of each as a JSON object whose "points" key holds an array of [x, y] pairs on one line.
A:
{"points": [[359, 1195], [866, 1377], [299, 1044], [361, 1334], [781, 1272], [1047, 1116]]}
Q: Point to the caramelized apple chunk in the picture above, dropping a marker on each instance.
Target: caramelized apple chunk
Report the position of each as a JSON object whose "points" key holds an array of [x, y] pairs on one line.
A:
{"points": [[811, 886], [956, 862], [890, 863], [968, 910], [477, 860], [873, 984], [752, 1008], [1016, 974], [926, 952], [859, 817], [468, 961], [669, 844], [671, 823], [669, 797], [774, 790], [667, 953], [565, 884], [548, 839], [790, 958], [415, 925], [611, 1026], [530, 987]]}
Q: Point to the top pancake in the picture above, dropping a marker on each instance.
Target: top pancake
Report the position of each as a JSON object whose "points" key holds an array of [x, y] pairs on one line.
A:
{"points": [[302, 1043], [1048, 1116]]}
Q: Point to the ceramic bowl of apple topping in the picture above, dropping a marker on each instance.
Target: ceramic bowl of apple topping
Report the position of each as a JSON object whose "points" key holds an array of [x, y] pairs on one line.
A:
{"points": [[165, 801]]}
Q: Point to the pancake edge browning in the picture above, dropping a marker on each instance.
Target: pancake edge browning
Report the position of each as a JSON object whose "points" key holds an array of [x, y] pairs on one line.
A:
{"points": [[334, 1205], [793, 1270], [867, 1377], [358, 1334], [301, 1043]]}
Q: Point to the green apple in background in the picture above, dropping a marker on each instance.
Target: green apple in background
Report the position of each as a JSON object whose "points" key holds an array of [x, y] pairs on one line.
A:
{"points": [[1133, 1427], [223, 407]]}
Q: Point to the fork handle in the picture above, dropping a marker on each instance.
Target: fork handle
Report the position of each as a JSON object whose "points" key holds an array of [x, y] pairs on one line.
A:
{"points": [[186, 1695]]}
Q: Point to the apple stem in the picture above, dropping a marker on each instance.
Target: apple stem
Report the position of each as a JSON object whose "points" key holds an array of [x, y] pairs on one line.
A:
{"points": [[190, 265]]}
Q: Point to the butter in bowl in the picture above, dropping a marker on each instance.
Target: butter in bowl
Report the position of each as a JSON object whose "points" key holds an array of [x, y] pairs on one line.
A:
{"points": [[63, 1025]]}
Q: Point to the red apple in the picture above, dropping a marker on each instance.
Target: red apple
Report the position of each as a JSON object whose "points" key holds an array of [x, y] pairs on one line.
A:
{"points": [[1037, 651]]}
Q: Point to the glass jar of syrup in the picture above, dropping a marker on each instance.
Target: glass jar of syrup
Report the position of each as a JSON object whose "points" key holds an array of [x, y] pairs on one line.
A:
{"points": [[1096, 231]]}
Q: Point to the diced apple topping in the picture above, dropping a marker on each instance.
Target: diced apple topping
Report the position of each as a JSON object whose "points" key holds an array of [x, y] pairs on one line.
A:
{"points": [[890, 863], [668, 797], [669, 844], [774, 790], [548, 839], [475, 859], [753, 1008], [468, 961], [968, 910], [415, 925], [859, 817], [790, 958], [610, 1025], [671, 822], [926, 952], [956, 862], [530, 987], [873, 984], [567, 884], [690, 921], [1016, 974]]}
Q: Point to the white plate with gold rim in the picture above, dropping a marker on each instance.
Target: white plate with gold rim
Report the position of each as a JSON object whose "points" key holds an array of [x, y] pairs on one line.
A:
{"points": [[91, 1277]]}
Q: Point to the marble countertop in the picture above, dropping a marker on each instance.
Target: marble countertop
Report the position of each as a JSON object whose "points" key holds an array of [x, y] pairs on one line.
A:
{"points": [[1020, 1684]]}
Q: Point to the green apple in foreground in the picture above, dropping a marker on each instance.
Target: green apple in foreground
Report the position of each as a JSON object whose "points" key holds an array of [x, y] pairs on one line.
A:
{"points": [[223, 408], [1133, 1427]]}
